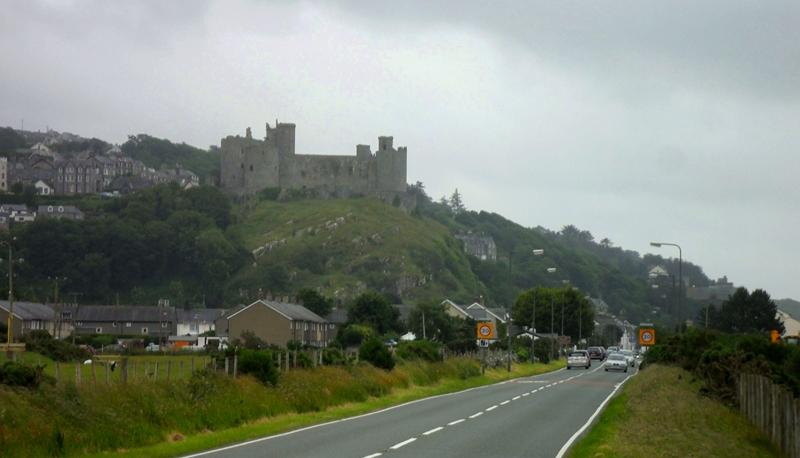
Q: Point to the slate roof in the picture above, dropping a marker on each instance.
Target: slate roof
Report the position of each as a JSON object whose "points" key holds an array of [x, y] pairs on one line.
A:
{"points": [[59, 210], [134, 313], [204, 315], [292, 311], [30, 310]]}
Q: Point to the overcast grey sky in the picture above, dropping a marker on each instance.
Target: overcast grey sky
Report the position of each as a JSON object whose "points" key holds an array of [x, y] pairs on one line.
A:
{"points": [[637, 120]]}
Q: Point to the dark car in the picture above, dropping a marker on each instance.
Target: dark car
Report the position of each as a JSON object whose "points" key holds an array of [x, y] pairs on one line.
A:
{"points": [[597, 353]]}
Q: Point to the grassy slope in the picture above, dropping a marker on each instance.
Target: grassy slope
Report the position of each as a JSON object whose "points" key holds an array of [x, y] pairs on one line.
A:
{"points": [[660, 413], [375, 246]]}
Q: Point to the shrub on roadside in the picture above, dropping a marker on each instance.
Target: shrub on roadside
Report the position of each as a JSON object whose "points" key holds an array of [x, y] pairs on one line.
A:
{"points": [[419, 349], [376, 353], [17, 374], [42, 342], [259, 364]]}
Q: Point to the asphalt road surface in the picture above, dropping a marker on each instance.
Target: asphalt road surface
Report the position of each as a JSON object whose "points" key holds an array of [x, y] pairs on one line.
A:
{"points": [[527, 417]]}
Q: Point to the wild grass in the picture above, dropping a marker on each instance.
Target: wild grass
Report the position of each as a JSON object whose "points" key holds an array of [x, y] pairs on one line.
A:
{"points": [[661, 413], [166, 417]]}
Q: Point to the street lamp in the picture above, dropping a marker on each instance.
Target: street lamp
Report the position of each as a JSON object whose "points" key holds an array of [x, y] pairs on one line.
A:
{"points": [[536, 252], [680, 278]]}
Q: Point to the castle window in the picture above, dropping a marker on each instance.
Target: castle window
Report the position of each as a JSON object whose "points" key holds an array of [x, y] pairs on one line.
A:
{"points": [[251, 167], [242, 164]]}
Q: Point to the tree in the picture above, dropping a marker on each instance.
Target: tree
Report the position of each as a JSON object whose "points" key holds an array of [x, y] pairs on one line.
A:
{"points": [[606, 243], [438, 325], [743, 312], [578, 314], [373, 309], [10, 140], [376, 353], [315, 301], [456, 203]]}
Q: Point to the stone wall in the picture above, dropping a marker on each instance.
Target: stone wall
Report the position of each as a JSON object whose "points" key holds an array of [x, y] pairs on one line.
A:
{"points": [[249, 165]]}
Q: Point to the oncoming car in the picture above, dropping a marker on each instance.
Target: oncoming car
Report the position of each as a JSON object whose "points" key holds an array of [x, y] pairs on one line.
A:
{"points": [[616, 362], [629, 356], [579, 358]]}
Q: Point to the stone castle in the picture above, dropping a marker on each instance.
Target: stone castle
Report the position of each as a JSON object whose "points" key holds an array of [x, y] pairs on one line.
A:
{"points": [[250, 165]]}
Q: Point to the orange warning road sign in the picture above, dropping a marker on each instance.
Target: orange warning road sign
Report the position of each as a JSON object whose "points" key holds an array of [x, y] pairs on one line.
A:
{"points": [[775, 336], [647, 337], [485, 330]]}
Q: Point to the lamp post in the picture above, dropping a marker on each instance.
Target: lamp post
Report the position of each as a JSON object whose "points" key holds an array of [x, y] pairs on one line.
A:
{"points": [[536, 252], [508, 336], [680, 278]]}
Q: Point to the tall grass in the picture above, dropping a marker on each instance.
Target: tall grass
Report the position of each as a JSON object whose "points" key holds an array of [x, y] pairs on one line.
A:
{"points": [[68, 420]]}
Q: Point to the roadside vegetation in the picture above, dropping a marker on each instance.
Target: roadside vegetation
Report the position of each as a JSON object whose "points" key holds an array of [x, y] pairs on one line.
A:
{"points": [[64, 419], [662, 413]]}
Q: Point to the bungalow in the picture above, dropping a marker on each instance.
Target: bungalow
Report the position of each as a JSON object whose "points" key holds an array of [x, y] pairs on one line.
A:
{"points": [[59, 212], [276, 323], [29, 316], [125, 320]]}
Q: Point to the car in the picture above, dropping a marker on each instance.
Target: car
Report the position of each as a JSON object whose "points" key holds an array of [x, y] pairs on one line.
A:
{"points": [[597, 353], [616, 362], [629, 356], [579, 358], [612, 349]]}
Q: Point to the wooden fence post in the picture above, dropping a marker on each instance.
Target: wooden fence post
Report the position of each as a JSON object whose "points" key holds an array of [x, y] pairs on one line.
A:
{"points": [[124, 374], [280, 362], [226, 364], [155, 373], [77, 374], [180, 369], [107, 378], [58, 372], [235, 364], [169, 368], [133, 370], [94, 373]]}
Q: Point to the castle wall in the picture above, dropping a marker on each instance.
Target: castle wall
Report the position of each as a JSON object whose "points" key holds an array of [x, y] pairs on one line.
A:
{"points": [[249, 165]]}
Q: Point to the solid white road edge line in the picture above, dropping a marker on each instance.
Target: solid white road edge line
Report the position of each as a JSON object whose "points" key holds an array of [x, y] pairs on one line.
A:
{"points": [[400, 444], [434, 430], [577, 434], [319, 425]]}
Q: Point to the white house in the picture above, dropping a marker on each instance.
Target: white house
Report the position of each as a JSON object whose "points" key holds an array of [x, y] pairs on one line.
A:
{"points": [[43, 189]]}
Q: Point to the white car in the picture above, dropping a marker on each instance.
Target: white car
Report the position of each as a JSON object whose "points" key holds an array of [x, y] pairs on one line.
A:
{"points": [[578, 358], [616, 362], [629, 356]]}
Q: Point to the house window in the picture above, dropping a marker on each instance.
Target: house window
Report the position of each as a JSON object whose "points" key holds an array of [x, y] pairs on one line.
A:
{"points": [[98, 330], [128, 324], [144, 330], [291, 325], [164, 324], [114, 324]]}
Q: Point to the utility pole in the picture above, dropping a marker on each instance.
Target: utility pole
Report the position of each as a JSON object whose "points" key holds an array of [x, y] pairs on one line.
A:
{"points": [[10, 333], [508, 334], [533, 328], [552, 324], [424, 334]]}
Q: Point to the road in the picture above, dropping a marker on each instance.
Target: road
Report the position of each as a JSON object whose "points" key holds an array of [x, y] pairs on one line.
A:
{"points": [[527, 417]]}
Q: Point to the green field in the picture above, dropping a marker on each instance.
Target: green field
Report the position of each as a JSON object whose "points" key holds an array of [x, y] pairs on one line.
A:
{"points": [[140, 367], [661, 413]]}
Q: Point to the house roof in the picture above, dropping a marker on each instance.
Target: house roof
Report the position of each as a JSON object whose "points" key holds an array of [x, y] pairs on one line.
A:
{"points": [[206, 315], [30, 310], [290, 311], [479, 312], [135, 313], [58, 209]]}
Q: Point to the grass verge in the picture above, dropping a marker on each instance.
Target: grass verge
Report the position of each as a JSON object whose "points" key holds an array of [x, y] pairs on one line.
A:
{"points": [[287, 422], [661, 413]]}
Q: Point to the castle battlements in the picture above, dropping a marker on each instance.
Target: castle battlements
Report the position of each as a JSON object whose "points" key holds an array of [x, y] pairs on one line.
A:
{"points": [[249, 165]]}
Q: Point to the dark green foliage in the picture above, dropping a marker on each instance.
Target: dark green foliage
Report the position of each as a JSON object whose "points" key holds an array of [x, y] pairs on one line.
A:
{"points": [[158, 153], [419, 349], [315, 301], [376, 353], [746, 312], [717, 359], [10, 140], [58, 350], [353, 335], [17, 374], [162, 236], [333, 356], [250, 341], [259, 364], [373, 309], [576, 307], [439, 326], [93, 145]]}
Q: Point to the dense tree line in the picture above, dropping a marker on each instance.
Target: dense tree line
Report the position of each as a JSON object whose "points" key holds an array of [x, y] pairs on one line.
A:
{"points": [[158, 153], [162, 242]]}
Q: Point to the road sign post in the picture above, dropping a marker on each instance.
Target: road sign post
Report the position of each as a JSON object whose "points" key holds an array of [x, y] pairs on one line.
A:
{"points": [[647, 336]]}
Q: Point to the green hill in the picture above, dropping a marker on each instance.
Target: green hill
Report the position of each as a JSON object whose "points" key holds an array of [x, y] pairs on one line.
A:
{"points": [[157, 153], [346, 246]]}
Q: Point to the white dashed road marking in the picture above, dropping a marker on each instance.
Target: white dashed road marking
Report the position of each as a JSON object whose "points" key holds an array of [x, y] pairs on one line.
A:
{"points": [[400, 444], [455, 422], [505, 402], [434, 430], [373, 455], [476, 415], [491, 408]]}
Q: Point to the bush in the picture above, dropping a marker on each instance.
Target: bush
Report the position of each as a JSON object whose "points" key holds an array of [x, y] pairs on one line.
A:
{"points": [[373, 351], [259, 364], [333, 356], [16, 374], [419, 349], [58, 350]]}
